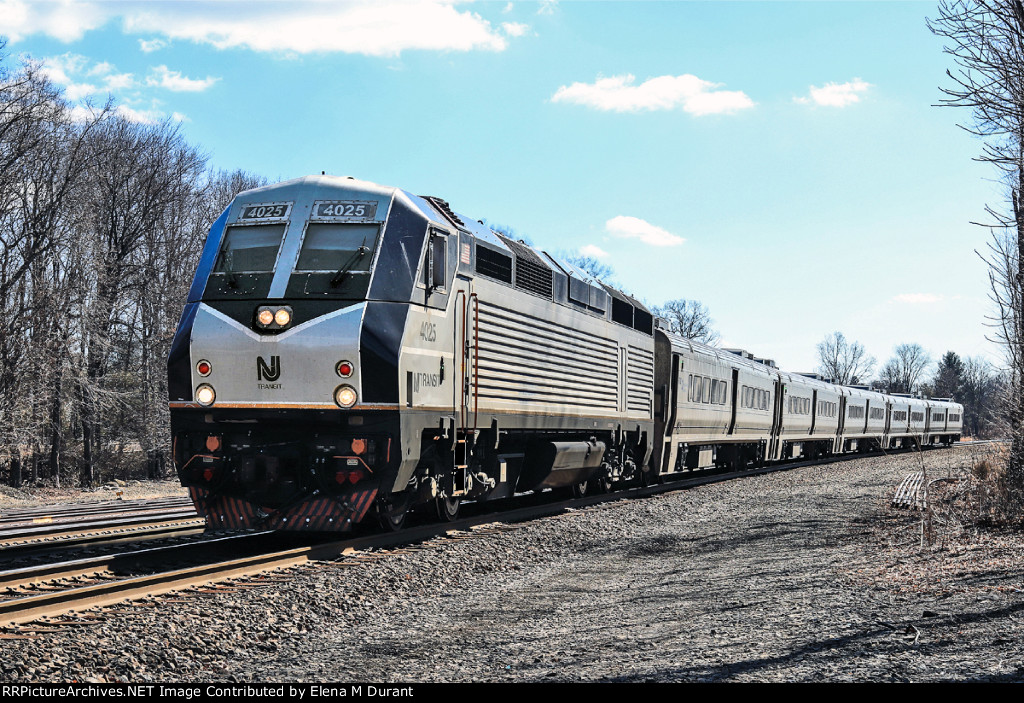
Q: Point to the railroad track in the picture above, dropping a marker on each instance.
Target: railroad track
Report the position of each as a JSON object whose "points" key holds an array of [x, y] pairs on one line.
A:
{"points": [[30, 598], [54, 527], [71, 512]]}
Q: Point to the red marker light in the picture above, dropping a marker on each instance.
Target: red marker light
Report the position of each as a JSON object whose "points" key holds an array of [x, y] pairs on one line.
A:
{"points": [[204, 368], [345, 369], [356, 475], [208, 475]]}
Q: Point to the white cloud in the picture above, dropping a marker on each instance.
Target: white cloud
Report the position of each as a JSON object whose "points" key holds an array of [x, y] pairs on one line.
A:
{"points": [[118, 81], [917, 298], [142, 116], [547, 7], [835, 94], [618, 94], [59, 68], [148, 46], [371, 27], [594, 251], [79, 91], [634, 227], [515, 29], [63, 70], [173, 80], [111, 81], [101, 68], [83, 113], [508, 8], [65, 20], [68, 71]]}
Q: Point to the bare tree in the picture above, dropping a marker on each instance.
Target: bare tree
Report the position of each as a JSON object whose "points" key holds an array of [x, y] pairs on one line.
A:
{"points": [[600, 271], [985, 39], [146, 173], [690, 319], [101, 224], [507, 231], [843, 361], [43, 163], [905, 369]]}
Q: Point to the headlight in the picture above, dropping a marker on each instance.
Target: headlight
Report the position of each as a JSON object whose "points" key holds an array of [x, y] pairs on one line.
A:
{"points": [[205, 395], [274, 317], [344, 396]]}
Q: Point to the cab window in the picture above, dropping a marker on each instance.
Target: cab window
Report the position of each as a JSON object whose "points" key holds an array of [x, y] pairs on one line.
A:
{"points": [[250, 249], [337, 247], [435, 263]]}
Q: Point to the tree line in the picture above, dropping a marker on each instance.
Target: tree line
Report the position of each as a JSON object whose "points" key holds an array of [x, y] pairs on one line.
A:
{"points": [[985, 41], [101, 222]]}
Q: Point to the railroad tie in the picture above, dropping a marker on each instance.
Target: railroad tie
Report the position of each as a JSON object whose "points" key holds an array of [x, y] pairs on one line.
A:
{"points": [[911, 493]]}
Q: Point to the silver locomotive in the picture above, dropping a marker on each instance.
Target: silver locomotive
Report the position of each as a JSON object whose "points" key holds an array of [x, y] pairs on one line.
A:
{"points": [[350, 349]]}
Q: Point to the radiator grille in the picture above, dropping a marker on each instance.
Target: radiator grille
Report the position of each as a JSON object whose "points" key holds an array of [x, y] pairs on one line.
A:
{"points": [[526, 359], [493, 264], [639, 380], [533, 278]]}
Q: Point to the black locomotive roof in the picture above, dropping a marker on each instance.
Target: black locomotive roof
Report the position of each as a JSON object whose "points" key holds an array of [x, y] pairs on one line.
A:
{"points": [[540, 257]]}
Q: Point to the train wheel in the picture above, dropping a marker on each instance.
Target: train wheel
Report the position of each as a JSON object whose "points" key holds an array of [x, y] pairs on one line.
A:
{"points": [[601, 483], [391, 515], [578, 490], [647, 478], [447, 509], [391, 520]]}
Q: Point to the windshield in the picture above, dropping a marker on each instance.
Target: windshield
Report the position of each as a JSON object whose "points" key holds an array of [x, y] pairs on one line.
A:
{"points": [[330, 247], [250, 249], [245, 264], [334, 260]]}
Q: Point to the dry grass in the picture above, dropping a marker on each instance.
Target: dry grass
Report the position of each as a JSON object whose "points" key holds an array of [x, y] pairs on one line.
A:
{"points": [[29, 496], [967, 541]]}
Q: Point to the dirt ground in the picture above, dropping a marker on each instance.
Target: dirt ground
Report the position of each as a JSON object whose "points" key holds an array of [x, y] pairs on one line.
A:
{"points": [[30, 496], [803, 575]]}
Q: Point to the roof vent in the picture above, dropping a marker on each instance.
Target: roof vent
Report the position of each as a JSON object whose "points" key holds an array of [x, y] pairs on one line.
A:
{"points": [[445, 209]]}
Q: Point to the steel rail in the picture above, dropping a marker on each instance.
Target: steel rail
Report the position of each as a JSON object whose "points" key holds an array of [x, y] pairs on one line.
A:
{"points": [[55, 530], [71, 511], [20, 610], [25, 609], [19, 549]]}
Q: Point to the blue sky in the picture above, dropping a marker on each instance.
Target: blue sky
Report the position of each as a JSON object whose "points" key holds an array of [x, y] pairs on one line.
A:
{"points": [[781, 162]]}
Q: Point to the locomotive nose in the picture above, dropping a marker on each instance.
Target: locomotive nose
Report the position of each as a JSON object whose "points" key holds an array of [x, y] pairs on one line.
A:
{"points": [[283, 356]]}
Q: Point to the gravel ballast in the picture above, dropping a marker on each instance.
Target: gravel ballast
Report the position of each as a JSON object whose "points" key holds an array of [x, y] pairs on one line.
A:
{"points": [[803, 575]]}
